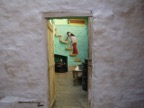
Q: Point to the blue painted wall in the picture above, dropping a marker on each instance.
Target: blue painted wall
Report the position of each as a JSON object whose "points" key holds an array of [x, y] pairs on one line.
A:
{"points": [[81, 32]]}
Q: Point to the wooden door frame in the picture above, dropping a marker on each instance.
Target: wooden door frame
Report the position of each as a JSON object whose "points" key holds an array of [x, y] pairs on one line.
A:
{"points": [[65, 14]]}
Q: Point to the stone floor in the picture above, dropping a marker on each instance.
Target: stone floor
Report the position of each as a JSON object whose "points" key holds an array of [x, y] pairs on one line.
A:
{"points": [[67, 95]]}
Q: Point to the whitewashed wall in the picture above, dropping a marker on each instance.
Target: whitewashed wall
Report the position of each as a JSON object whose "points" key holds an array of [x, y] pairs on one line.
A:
{"points": [[118, 52]]}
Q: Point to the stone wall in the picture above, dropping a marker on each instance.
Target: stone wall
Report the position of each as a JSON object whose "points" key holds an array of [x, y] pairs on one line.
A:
{"points": [[117, 50]]}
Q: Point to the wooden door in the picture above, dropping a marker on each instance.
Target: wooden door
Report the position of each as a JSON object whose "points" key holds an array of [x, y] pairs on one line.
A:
{"points": [[51, 64]]}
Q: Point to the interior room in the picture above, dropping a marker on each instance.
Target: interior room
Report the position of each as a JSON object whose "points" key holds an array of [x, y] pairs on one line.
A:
{"points": [[68, 55]]}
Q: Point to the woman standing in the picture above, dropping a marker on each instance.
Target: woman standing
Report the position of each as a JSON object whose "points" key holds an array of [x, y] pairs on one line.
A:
{"points": [[73, 41]]}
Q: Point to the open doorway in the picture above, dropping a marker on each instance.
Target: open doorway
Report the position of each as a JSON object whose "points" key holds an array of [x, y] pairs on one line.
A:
{"points": [[61, 50]]}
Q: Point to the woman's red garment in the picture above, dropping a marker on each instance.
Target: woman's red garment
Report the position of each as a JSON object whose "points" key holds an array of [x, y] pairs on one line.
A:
{"points": [[75, 51]]}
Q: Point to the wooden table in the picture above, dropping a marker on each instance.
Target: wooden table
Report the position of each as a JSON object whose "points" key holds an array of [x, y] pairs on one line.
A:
{"points": [[76, 77]]}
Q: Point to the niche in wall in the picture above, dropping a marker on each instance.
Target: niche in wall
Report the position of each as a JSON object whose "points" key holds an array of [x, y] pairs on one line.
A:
{"points": [[81, 22], [61, 63]]}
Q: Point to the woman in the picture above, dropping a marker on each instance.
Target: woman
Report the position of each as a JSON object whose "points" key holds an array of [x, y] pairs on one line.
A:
{"points": [[73, 41]]}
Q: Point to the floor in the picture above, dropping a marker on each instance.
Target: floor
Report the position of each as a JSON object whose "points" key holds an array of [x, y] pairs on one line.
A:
{"points": [[69, 96]]}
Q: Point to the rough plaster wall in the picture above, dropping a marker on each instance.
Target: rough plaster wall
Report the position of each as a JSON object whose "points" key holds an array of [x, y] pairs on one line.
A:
{"points": [[117, 43], [118, 56]]}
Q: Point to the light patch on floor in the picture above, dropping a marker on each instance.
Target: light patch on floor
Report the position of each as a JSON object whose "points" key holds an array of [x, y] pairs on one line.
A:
{"points": [[67, 95]]}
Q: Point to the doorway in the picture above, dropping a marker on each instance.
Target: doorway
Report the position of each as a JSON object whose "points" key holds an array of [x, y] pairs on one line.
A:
{"points": [[60, 49]]}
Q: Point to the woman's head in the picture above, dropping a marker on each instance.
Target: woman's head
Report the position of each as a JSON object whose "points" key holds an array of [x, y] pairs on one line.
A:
{"points": [[70, 34]]}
